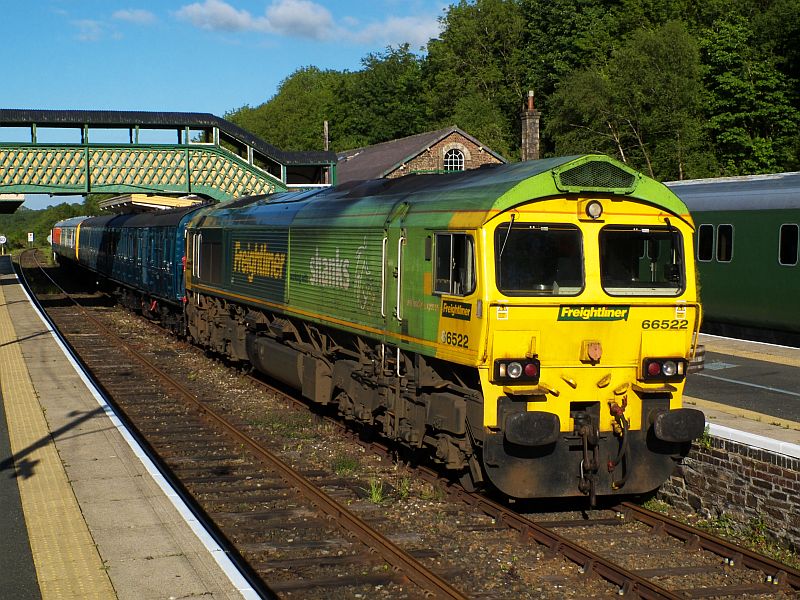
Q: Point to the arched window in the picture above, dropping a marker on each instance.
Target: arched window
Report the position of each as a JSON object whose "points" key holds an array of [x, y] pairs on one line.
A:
{"points": [[454, 160]]}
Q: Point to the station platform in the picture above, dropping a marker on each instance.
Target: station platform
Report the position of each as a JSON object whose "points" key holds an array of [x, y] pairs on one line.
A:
{"points": [[758, 405], [83, 512]]}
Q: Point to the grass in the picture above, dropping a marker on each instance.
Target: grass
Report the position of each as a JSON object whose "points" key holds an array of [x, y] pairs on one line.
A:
{"points": [[433, 493], [404, 489], [752, 535], [377, 495], [656, 505], [345, 465], [290, 424], [704, 441]]}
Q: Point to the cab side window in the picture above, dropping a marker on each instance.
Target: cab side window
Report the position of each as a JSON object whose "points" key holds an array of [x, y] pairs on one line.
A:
{"points": [[454, 269]]}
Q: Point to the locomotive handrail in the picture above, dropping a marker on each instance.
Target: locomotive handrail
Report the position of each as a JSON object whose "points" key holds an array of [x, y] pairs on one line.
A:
{"points": [[383, 276], [399, 274]]}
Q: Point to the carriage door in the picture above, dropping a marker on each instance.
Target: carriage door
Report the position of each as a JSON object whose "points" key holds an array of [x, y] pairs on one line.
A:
{"points": [[392, 307]]}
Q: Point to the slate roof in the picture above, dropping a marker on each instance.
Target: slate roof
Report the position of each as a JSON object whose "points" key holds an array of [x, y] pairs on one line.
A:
{"points": [[374, 162]]}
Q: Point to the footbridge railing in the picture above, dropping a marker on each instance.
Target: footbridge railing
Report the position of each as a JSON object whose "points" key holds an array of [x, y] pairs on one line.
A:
{"points": [[209, 157]]}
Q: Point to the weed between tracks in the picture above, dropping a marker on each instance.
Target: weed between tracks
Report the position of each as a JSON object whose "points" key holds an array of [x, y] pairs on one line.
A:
{"points": [[345, 465], [751, 535], [293, 425]]}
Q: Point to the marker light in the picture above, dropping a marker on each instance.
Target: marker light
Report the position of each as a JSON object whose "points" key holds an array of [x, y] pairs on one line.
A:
{"points": [[531, 370], [669, 368], [654, 369], [594, 210]]}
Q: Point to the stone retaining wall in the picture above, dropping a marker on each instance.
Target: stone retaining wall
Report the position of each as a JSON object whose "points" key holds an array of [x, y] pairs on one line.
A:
{"points": [[748, 485]]}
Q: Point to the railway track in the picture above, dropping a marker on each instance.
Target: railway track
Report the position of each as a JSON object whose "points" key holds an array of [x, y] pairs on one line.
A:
{"points": [[305, 543]]}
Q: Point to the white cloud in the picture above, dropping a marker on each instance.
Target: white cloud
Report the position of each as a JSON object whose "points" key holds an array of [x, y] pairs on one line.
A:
{"points": [[309, 20], [137, 16], [301, 18], [215, 15], [88, 30], [398, 30]]}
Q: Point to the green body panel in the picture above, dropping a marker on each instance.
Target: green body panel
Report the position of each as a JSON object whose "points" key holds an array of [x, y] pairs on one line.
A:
{"points": [[337, 273], [768, 299]]}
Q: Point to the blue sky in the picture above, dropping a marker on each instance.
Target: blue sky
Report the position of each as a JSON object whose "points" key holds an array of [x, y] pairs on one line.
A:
{"points": [[204, 56]]}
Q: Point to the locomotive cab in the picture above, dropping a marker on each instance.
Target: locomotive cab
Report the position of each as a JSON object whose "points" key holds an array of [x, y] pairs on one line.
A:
{"points": [[592, 311]]}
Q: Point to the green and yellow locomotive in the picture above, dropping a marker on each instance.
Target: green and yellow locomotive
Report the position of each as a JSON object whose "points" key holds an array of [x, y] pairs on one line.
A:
{"points": [[529, 325]]}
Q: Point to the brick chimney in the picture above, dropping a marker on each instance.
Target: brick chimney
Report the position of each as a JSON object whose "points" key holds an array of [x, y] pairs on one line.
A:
{"points": [[530, 129]]}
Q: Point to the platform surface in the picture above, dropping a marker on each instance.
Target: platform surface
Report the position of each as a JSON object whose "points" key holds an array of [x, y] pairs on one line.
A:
{"points": [[751, 387], [82, 517]]}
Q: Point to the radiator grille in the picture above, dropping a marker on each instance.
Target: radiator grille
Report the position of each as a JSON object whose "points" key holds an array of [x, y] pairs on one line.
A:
{"points": [[597, 175]]}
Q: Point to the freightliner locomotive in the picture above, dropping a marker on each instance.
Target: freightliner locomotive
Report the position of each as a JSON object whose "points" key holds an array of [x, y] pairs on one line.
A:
{"points": [[528, 326]]}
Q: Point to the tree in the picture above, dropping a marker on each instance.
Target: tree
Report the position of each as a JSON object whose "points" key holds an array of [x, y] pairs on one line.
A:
{"points": [[476, 71], [565, 36], [293, 118], [751, 105], [381, 102], [643, 106]]}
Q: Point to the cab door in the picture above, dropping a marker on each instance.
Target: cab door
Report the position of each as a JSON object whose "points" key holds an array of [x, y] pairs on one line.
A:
{"points": [[393, 293]]}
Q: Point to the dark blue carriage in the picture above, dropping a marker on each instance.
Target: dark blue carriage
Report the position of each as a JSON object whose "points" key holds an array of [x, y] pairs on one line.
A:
{"points": [[143, 252]]}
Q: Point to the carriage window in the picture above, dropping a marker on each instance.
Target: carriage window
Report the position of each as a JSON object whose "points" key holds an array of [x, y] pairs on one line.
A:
{"points": [[640, 261], [535, 260], [725, 243], [787, 252], [455, 264], [705, 242]]}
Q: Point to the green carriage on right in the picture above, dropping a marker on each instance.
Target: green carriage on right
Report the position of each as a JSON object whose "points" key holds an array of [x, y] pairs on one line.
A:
{"points": [[746, 245]]}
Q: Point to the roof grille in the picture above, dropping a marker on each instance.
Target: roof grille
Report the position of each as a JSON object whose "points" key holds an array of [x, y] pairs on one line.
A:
{"points": [[597, 175]]}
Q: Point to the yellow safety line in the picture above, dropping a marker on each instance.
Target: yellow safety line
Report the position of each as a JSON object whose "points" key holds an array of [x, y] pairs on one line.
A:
{"points": [[742, 412], [66, 559]]}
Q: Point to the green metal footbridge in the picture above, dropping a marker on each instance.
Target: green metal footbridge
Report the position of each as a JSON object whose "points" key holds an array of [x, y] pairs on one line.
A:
{"points": [[122, 152]]}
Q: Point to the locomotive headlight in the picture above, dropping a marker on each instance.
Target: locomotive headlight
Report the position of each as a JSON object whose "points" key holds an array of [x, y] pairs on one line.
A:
{"points": [[594, 210], [669, 368], [514, 370]]}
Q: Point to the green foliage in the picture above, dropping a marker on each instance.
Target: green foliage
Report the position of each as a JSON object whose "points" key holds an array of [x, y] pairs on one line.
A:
{"points": [[381, 102], [565, 36], [642, 106], [343, 464], [752, 119], [293, 119], [377, 495], [476, 71]]}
